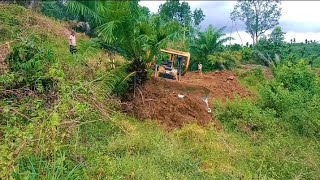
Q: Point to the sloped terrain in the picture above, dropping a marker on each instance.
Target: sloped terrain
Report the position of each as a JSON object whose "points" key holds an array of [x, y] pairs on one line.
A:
{"points": [[81, 137]]}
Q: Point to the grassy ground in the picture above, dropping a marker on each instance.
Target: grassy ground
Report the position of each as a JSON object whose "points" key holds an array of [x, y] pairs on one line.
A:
{"points": [[80, 136], [142, 150]]}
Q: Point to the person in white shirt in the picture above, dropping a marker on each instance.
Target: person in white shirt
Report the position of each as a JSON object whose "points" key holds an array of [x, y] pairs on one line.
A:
{"points": [[72, 42], [200, 69]]}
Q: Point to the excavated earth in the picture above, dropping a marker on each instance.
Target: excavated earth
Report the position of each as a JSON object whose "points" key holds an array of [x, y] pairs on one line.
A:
{"points": [[174, 103]]}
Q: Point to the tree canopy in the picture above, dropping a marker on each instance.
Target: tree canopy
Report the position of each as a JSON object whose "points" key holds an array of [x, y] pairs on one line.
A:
{"points": [[173, 9], [181, 12], [258, 16]]}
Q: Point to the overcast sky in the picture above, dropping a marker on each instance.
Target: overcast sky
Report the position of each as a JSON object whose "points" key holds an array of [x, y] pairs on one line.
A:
{"points": [[300, 19]]}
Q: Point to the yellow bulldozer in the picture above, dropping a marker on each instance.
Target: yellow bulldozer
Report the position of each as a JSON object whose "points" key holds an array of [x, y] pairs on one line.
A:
{"points": [[175, 67]]}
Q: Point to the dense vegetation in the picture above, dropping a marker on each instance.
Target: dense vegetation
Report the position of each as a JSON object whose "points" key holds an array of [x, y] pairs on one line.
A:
{"points": [[59, 116]]}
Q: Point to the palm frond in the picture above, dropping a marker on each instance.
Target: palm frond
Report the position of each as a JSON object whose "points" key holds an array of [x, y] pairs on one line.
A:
{"points": [[106, 31], [80, 8], [113, 81]]}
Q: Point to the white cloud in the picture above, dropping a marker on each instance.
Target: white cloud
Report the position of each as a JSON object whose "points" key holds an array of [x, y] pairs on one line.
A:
{"points": [[152, 5], [300, 16], [301, 11]]}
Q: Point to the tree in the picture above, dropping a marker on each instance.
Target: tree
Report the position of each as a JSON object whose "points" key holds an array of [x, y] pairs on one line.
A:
{"points": [[129, 30], [270, 49], [258, 16], [207, 42], [277, 36], [173, 9], [181, 12], [198, 17]]}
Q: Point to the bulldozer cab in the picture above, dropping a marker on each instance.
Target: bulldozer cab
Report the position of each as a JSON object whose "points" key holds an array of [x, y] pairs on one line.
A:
{"points": [[174, 67]]}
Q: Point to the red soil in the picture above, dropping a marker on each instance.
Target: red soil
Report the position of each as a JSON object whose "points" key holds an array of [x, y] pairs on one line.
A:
{"points": [[158, 98]]}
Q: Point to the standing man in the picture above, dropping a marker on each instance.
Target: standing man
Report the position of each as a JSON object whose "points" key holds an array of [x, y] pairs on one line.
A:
{"points": [[72, 42], [200, 69]]}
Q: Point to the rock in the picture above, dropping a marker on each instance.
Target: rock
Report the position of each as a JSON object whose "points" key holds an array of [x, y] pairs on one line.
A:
{"points": [[231, 78], [180, 96]]}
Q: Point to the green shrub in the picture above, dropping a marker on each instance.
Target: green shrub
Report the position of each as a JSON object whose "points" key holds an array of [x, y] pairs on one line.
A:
{"points": [[224, 60], [293, 96], [253, 77], [298, 108], [247, 55], [31, 63], [7, 78], [274, 96], [297, 76], [244, 115]]}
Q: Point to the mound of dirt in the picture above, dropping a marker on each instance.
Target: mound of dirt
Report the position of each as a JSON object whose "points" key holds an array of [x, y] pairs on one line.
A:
{"points": [[157, 102], [174, 104], [219, 84]]}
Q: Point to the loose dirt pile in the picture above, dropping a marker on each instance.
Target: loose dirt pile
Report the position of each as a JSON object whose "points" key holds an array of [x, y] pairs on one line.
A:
{"points": [[174, 104], [163, 104]]}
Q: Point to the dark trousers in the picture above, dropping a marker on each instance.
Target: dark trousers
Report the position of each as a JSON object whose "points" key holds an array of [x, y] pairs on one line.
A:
{"points": [[73, 49]]}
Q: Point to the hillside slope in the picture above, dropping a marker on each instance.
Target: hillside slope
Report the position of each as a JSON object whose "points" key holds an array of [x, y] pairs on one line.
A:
{"points": [[72, 130]]}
